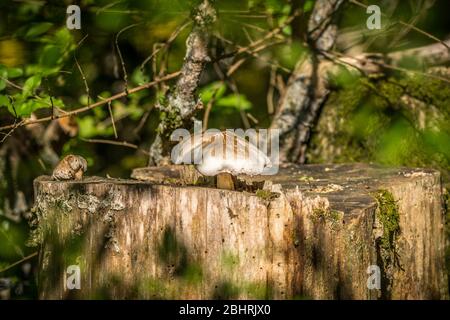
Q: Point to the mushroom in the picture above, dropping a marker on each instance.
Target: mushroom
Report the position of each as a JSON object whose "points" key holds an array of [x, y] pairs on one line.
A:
{"points": [[71, 167], [222, 154]]}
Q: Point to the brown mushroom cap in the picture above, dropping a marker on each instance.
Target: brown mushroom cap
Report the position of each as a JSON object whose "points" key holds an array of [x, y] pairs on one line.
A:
{"points": [[70, 167]]}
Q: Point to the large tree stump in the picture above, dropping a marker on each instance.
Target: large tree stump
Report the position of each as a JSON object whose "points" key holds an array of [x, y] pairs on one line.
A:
{"points": [[312, 232]]}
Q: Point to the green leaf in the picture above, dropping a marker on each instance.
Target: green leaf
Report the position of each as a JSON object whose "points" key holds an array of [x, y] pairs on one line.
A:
{"points": [[4, 101], [343, 78], [308, 6], [27, 107], [274, 5], [83, 100], [287, 30], [63, 37], [3, 77], [31, 84], [15, 73], [289, 55], [38, 29], [237, 101], [89, 127], [23, 107], [51, 55], [57, 48], [216, 89], [138, 77]]}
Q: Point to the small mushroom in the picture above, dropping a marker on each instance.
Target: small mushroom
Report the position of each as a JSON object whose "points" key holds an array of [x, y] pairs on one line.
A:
{"points": [[222, 154], [71, 167]]}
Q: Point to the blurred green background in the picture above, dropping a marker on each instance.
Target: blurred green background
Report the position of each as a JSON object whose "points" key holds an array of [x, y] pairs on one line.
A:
{"points": [[365, 120]]}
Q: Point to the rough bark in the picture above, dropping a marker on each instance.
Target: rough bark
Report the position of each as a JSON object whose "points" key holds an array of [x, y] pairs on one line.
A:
{"points": [[306, 91], [181, 104], [433, 54], [312, 231]]}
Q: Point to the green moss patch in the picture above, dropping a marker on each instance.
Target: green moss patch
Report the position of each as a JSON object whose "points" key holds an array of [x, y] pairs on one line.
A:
{"points": [[389, 217], [266, 194]]}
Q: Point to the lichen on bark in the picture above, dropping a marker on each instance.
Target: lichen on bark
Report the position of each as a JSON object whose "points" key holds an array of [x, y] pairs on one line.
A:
{"points": [[181, 104]]}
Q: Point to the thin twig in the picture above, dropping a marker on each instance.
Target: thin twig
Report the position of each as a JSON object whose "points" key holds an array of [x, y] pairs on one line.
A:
{"points": [[268, 36], [12, 84], [247, 34], [252, 26], [117, 143], [112, 119], [142, 121], [81, 72], [413, 27], [250, 52], [172, 37], [270, 91], [382, 64], [251, 117], [27, 122], [210, 103], [124, 69], [20, 261], [15, 126], [109, 5], [281, 86]]}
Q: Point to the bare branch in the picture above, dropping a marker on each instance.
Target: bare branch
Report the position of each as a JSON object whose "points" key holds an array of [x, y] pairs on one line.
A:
{"points": [[20, 261], [81, 72], [117, 143], [27, 122], [411, 26], [270, 91], [112, 119], [122, 62], [432, 54], [169, 41]]}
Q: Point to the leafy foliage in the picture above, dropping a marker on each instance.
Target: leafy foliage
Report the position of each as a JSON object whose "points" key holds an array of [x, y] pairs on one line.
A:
{"points": [[45, 70]]}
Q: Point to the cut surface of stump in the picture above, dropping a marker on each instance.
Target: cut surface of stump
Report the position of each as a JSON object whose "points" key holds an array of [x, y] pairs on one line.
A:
{"points": [[312, 231]]}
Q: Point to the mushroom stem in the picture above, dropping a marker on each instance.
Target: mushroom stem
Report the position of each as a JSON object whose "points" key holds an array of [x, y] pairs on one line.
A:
{"points": [[225, 181]]}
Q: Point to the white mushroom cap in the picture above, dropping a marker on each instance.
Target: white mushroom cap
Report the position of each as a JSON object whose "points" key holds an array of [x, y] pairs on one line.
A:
{"points": [[222, 152]]}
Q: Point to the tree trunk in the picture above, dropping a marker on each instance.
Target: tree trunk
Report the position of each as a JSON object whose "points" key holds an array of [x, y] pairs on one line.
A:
{"points": [[311, 232]]}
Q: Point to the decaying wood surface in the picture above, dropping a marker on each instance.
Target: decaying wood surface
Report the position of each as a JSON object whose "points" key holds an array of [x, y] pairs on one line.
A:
{"points": [[309, 232]]}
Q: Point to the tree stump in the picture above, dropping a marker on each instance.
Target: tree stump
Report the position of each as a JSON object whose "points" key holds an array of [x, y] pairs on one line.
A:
{"points": [[308, 232]]}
